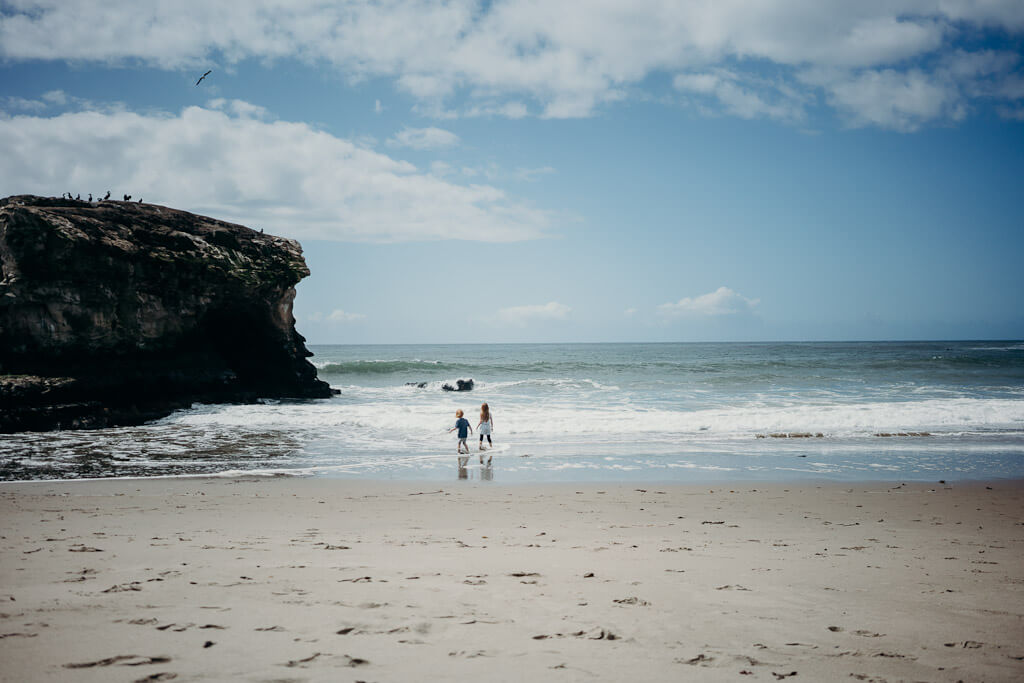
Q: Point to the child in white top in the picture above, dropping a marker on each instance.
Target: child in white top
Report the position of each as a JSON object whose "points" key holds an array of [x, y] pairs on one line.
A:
{"points": [[484, 427]]}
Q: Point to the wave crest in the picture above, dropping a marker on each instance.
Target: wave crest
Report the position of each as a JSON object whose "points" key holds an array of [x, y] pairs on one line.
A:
{"points": [[379, 367]]}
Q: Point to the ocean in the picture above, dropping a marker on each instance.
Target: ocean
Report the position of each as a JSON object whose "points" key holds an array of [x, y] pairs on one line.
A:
{"points": [[915, 411]]}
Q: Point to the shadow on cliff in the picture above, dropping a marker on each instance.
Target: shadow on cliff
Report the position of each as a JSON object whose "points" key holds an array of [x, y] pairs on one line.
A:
{"points": [[117, 313]]}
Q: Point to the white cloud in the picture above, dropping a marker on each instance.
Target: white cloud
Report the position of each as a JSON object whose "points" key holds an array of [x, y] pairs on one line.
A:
{"points": [[240, 108], [285, 177], [532, 174], [629, 312], [340, 316], [46, 101], [902, 101], [517, 56], [1012, 88], [56, 97], [15, 103], [441, 168], [721, 302], [424, 138], [746, 98], [523, 315], [335, 316], [377, 107], [510, 110], [491, 171]]}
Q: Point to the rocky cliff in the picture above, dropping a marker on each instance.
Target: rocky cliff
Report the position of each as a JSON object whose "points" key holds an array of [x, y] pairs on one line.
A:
{"points": [[116, 313]]}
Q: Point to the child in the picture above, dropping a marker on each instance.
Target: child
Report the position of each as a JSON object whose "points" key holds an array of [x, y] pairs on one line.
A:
{"points": [[484, 427], [462, 424]]}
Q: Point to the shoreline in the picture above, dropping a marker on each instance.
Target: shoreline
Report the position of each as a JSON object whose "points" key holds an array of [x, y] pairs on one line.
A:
{"points": [[259, 476], [237, 475], [303, 578]]}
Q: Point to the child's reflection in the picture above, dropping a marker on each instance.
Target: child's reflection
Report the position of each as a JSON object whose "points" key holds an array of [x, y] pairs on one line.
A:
{"points": [[486, 472]]}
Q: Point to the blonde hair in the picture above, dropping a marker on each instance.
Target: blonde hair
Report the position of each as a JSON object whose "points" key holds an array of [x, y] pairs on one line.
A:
{"points": [[485, 413], [458, 413]]}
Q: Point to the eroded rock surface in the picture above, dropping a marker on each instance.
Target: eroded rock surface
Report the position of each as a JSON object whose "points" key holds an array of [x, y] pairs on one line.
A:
{"points": [[116, 313]]}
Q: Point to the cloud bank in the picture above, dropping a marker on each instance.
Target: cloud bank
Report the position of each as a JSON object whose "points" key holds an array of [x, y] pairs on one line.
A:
{"points": [[336, 316], [895, 64], [721, 302], [230, 160]]}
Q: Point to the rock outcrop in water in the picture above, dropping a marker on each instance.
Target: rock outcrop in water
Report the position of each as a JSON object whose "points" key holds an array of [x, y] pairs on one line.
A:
{"points": [[117, 313], [460, 385]]}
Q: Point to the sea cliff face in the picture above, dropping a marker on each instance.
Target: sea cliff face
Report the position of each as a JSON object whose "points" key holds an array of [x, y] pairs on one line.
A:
{"points": [[116, 313]]}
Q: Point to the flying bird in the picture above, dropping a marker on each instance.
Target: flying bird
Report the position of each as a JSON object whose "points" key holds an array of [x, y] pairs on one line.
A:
{"points": [[204, 76]]}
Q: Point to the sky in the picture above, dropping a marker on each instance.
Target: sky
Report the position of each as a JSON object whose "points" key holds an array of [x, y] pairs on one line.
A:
{"points": [[552, 171]]}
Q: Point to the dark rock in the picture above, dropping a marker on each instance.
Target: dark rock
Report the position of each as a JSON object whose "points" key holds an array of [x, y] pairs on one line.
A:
{"points": [[118, 313], [460, 385]]}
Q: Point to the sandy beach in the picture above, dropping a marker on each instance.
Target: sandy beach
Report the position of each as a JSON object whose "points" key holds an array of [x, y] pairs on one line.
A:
{"points": [[293, 579]]}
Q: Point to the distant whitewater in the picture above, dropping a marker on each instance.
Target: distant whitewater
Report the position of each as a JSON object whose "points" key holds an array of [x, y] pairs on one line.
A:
{"points": [[644, 412]]}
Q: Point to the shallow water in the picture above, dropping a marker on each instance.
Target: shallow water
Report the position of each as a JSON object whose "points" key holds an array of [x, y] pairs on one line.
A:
{"points": [[682, 412]]}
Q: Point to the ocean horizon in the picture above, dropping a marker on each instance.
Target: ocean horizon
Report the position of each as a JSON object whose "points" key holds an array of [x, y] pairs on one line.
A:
{"points": [[681, 412]]}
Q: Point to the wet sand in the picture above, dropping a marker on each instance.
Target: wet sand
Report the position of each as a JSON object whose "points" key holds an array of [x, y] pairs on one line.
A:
{"points": [[324, 580]]}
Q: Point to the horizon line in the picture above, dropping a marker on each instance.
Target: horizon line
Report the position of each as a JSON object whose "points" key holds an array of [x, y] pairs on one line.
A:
{"points": [[761, 341]]}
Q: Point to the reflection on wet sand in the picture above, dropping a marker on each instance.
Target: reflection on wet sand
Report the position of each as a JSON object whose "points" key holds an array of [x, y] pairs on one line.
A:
{"points": [[486, 472]]}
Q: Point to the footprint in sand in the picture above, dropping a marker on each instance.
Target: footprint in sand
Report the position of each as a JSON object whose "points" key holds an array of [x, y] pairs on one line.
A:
{"points": [[83, 575], [121, 660], [354, 661], [177, 628], [632, 601], [300, 663], [124, 587], [596, 633]]}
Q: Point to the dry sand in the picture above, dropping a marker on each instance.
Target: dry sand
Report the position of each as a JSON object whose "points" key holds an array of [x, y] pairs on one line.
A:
{"points": [[334, 580]]}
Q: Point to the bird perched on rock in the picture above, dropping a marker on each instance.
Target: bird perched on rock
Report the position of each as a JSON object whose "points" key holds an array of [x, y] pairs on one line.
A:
{"points": [[90, 196], [107, 196]]}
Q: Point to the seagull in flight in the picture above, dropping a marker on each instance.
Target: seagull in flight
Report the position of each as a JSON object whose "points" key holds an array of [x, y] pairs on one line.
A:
{"points": [[204, 76]]}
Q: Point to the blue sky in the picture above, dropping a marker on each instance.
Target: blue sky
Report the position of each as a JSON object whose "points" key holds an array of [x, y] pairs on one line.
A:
{"points": [[550, 171]]}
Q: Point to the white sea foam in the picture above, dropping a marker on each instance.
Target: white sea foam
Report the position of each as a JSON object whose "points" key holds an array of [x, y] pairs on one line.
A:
{"points": [[1017, 346], [401, 422]]}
